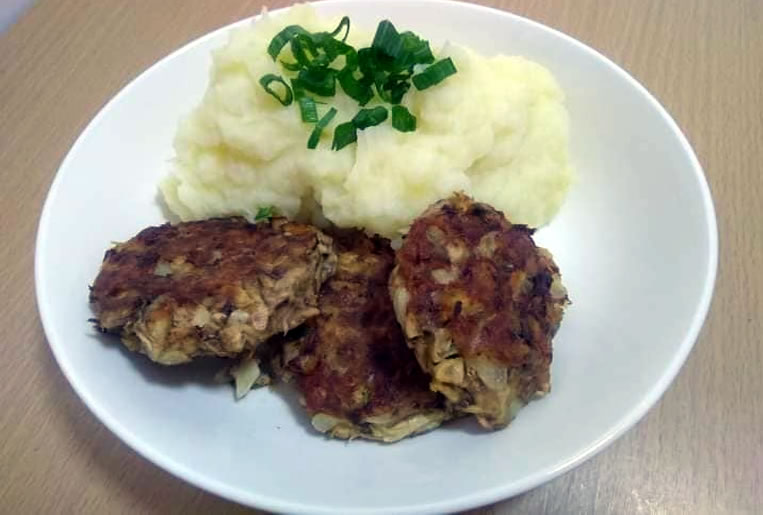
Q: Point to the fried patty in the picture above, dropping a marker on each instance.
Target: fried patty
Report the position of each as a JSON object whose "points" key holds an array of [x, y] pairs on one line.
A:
{"points": [[211, 288], [356, 373], [479, 303]]}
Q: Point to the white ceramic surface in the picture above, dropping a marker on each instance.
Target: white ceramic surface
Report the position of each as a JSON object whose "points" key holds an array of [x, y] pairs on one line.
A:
{"points": [[636, 243]]}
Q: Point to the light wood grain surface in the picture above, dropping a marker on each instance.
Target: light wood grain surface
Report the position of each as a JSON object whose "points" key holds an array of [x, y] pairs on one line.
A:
{"points": [[700, 450]]}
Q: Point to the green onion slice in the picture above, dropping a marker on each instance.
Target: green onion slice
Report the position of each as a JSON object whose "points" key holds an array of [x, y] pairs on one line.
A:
{"points": [[405, 49], [321, 81], [358, 90], [316, 134], [367, 61], [414, 50], [307, 109], [369, 117], [285, 97], [344, 134], [336, 48], [306, 52], [387, 40], [402, 119], [263, 213], [393, 87], [434, 74], [344, 23], [292, 67], [307, 105], [282, 38], [318, 50]]}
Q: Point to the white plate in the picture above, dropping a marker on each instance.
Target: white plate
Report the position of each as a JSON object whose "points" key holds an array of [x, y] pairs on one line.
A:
{"points": [[636, 243]]}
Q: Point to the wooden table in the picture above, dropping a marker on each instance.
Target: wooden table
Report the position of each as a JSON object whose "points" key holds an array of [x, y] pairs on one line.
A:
{"points": [[700, 450]]}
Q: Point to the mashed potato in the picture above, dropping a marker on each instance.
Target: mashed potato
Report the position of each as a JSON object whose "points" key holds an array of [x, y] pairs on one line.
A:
{"points": [[497, 130]]}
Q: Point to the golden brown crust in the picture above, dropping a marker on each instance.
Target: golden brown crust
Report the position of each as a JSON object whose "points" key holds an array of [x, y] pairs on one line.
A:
{"points": [[354, 364], [214, 287], [473, 292]]}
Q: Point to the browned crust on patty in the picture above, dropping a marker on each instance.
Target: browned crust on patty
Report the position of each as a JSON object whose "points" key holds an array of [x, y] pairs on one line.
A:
{"points": [[353, 365], [213, 287], [480, 303]]}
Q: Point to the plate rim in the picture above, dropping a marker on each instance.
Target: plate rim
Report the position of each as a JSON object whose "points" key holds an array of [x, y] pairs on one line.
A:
{"points": [[478, 497]]}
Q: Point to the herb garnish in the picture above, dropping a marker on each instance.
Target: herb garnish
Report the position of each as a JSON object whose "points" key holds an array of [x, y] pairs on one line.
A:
{"points": [[264, 213], [385, 70]]}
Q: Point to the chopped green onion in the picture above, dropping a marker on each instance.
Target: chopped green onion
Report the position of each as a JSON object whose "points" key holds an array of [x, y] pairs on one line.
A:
{"points": [[358, 90], [369, 117], [434, 74], [307, 105], [319, 50], [344, 134], [344, 23], [305, 51], [307, 109], [402, 119], [263, 213], [270, 78], [367, 61], [336, 48], [406, 49], [321, 81], [282, 38], [329, 49], [385, 69], [391, 59], [292, 67], [414, 50], [393, 87], [316, 134], [387, 40]]}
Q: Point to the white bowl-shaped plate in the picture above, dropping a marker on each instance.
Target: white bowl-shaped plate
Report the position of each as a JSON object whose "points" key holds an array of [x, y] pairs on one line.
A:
{"points": [[636, 242]]}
